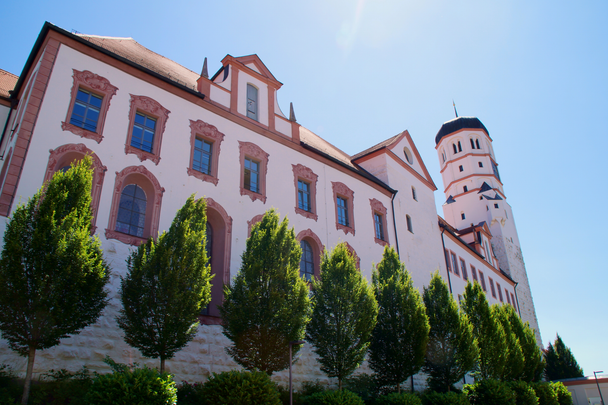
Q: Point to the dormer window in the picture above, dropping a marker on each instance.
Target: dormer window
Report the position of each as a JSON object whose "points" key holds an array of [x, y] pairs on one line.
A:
{"points": [[252, 102]]}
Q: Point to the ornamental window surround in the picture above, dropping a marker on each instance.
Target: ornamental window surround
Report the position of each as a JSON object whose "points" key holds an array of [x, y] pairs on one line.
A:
{"points": [[305, 182], [254, 168], [147, 122], [379, 220], [205, 143], [344, 207], [90, 100]]}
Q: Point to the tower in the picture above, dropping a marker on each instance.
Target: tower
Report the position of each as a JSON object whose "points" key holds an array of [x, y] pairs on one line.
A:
{"points": [[474, 194]]}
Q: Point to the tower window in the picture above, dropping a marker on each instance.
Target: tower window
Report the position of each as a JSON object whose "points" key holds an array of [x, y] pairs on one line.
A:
{"points": [[472, 143], [455, 149], [461, 168], [462, 215], [477, 143], [465, 188], [495, 205], [459, 147], [480, 164]]}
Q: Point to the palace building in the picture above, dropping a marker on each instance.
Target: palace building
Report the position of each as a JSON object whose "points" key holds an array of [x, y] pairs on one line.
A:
{"points": [[159, 132]]}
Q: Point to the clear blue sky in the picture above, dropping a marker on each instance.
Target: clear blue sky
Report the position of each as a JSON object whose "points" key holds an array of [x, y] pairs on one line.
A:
{"points": [[358, 72]]}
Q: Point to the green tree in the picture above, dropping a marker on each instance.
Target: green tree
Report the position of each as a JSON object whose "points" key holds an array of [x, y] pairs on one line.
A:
{"points": [[52, 271], [166, 285], [560, 361], [344, 314], [533, 363], [399, 339], [267, 305], [514, 356], [452, 349], [488, 332]]}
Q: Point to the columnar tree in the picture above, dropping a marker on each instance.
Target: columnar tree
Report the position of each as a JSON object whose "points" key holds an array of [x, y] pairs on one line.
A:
{"points": [[514, 357], [399, 339], [344, 314], [52, 271], [452, 349], [488, 332], [267, 305], [166, 286], [560, 361]]}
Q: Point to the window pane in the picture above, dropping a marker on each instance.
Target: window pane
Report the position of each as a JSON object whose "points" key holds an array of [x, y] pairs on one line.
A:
{"points": [[306, 261], [132, 211]]}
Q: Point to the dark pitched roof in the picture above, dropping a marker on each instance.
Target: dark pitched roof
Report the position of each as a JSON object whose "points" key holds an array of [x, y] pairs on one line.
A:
{"points": [[457, 124], [376, 147], [7, 83]]}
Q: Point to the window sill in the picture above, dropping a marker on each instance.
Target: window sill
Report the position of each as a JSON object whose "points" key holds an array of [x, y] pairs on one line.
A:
{"points": [[380, 242], [307, 214], [254, 196], [345, 229], [83, 133], [124, 238], [142, 154], [202, 176]]}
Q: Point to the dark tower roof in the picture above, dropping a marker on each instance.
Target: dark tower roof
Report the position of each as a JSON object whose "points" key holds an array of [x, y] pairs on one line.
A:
{"points": [[457, 124]]}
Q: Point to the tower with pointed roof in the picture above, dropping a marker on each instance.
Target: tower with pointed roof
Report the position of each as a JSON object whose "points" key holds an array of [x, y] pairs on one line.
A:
{"points": [[475, 200]]}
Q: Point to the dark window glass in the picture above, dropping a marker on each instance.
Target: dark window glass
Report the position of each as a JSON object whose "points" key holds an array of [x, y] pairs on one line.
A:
{"points": [[474, 273], [304, 196], [455, 264], [85, 113], [252, 102], [480, 164], [408, 220], [495, 170], [455, 149], [307, 266], [132, 211], [414, 194], [143, 132], [465, 188], [252, 175], [378, 226], [462, 216], [477, 143], [201, 160], [342, 211], [463, 267], [459, 147], [461, 168], [472, 143], [483, 281]]}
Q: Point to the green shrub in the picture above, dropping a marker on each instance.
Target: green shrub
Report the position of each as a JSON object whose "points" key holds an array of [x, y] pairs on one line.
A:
{"points": [[564, 397], [141, 386], [524, 393], [402, 398], [546, 395], [240, 388], [190, 394], [341, 397], [444, 398], [10, 389], [364, 385], [61, 387], [489, 391]]}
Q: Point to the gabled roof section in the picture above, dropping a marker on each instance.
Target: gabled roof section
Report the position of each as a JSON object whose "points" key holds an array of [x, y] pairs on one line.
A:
{"points": [[7, 83], [484, 187], [394, 148], [254, 64]]}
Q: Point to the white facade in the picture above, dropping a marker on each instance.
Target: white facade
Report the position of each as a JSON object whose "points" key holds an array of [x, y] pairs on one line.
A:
{"points": [[40, 139]]}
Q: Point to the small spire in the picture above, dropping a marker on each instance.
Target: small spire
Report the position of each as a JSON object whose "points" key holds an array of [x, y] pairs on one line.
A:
{"points": [[455, 112], [292, 115], [205, 74]]}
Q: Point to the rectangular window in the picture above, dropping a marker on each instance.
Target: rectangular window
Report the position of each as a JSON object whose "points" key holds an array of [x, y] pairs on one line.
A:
{"points": [[474, 273], [492, 287], [461, 168], [507, 294], [513, 301], [447, 260], [252, 102], [482, 280], [378, 226], [454, 264], [85, 113], [480, 164], [414, 194], [143, 132], [499, 292], [342, 211], [201, 160], [304, 195], [252, 175], [463, 267]]}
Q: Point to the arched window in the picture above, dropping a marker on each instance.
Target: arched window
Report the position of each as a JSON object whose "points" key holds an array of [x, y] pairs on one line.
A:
{"points": [[459, 147], [477, 143], [307, 265], [455, 149], [472, 143], [132, 211]]}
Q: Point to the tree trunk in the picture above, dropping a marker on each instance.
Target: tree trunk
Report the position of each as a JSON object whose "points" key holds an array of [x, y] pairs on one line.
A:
{"points": [[340, 383], [28, 375], [162, 364], [399, 388]]}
